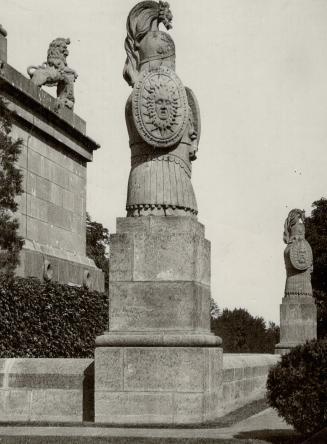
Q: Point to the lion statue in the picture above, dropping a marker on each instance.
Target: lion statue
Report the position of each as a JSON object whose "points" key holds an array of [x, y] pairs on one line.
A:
{"points": [[55, 72]]}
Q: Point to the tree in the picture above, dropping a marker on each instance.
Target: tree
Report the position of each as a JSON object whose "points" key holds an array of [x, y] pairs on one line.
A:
{"points": [[243, 333], [10, 186], [316, 235], [97, 246]]}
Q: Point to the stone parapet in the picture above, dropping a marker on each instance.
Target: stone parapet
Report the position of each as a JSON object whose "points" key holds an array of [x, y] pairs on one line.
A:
{"points": [[46, 390], [171, 385], [244, 378]]}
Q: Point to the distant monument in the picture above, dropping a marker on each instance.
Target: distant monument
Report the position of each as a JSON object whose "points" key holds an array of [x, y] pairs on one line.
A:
{"points": [[55, 72], [298, 313], [159, 362]]}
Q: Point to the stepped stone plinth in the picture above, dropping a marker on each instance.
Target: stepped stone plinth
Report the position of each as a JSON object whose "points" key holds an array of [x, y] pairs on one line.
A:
{"points": [[158, 363]]}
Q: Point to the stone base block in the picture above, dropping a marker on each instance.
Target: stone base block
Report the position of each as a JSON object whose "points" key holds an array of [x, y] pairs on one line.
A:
{"points": [[65, 269], [163, 306], [157, 385], [298, 322]]}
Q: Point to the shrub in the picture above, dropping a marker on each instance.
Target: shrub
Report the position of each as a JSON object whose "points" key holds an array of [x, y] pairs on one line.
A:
{"points": [[297, 387], [49, 320]]}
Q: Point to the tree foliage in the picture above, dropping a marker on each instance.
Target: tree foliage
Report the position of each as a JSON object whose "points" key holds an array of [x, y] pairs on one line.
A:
{"points": [[97, 246], [10, 187], [316, 234], [297, 387], [243, 333]]}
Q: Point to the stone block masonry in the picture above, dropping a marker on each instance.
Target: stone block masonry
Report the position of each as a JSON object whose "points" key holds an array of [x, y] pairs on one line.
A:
{"points": [[169, 390], [52, 208], [159, 363], [46, 390]]}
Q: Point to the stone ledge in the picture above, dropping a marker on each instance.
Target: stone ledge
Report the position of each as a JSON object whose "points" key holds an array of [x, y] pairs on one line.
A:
{"points": [[159, 340], [21, 90]]}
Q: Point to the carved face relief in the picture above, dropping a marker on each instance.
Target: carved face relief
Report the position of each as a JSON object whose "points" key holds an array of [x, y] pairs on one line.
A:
{"points": [[160, 107], [163, 107]]}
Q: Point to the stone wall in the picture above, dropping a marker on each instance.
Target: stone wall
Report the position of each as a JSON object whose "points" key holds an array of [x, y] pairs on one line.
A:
{"points": [[54, 390], [62, 390], [244, 378]]}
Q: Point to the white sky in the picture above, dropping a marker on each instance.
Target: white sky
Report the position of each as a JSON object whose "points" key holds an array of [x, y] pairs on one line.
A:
{"points": [[258, 68]]}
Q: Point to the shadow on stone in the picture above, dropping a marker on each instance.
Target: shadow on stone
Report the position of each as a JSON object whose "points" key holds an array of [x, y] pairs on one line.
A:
{"points": [[272, 436], [88, 393], [318, 438]]}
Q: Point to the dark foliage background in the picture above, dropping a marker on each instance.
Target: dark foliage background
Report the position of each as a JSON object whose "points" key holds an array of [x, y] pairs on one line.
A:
{"points": [[49, 320], [243, 333], [10, 187], [97, 246], [316, 235], [297, 387]]}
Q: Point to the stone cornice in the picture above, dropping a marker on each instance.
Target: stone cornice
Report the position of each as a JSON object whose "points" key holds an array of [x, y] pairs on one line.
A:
{"points": [[40, 109]]}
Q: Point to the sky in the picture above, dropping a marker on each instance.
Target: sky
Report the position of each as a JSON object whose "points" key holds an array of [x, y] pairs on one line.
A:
{"points": [[258, 69]]}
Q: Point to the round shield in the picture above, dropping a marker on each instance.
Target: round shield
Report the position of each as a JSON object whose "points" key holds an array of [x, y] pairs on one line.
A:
{"points": [[301, 254], [160, 107]]}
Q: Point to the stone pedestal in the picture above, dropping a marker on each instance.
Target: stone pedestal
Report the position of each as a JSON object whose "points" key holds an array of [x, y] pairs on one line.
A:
{"points": [[298, 322], [158, 363], [53, 161]]}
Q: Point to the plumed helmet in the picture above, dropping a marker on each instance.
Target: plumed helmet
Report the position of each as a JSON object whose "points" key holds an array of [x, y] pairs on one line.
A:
{"points": [[156, 45]]}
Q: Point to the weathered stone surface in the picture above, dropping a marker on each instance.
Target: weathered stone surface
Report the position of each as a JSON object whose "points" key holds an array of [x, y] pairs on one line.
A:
{"points": [[160, 249], [133, 408], [109, 368], [158, 385], [244, 379], [298, 324], [164, 369], [66, 268], [56, 405], [151, 306], [45, 389]]}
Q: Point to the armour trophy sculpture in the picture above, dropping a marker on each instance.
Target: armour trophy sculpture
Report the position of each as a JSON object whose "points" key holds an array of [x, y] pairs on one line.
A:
{"points": [[162, 118], [159, 277], [55, 72], [297, 255], [298, 313]]}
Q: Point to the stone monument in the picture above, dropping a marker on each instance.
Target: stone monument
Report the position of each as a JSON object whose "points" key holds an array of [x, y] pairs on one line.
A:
{"points": [[54, 156], [298, 313], [159, 362]]}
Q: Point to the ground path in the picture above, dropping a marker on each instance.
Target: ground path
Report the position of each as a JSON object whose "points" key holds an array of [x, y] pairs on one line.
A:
{"points": [[263, 427]]}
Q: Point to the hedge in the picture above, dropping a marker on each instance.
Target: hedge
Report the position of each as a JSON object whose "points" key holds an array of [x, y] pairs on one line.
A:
{"points": [[297, 387], [49, 320]]}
